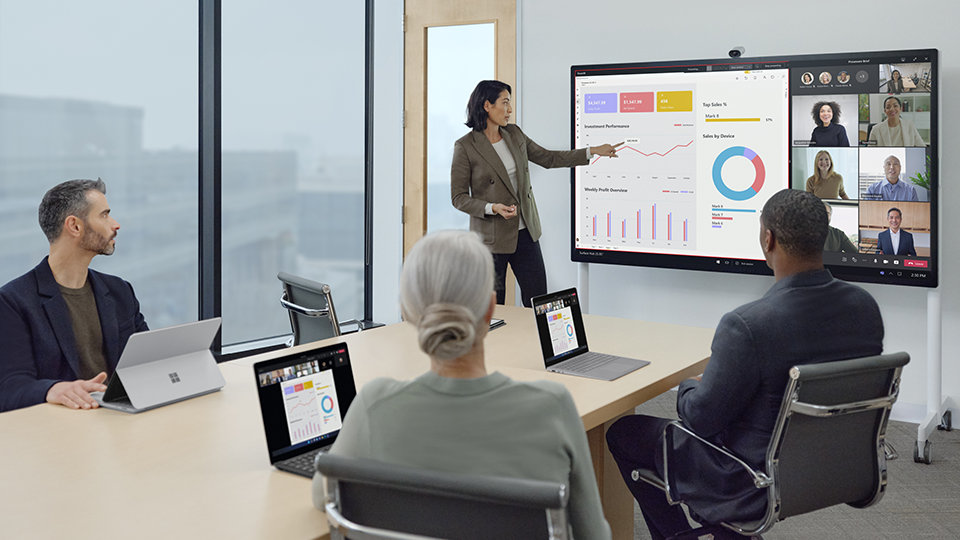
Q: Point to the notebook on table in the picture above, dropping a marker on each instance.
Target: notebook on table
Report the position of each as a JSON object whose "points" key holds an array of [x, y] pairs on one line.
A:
{"points": [[163, 366], [303, 399], [563, 340]]}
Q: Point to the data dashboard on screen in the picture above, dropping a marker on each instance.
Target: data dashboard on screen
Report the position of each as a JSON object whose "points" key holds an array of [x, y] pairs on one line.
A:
{"points": [[707, 142]]}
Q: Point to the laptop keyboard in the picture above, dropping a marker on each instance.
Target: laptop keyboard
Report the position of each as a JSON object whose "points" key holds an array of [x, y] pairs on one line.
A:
{"points": [[302, 464], [588, 361]]}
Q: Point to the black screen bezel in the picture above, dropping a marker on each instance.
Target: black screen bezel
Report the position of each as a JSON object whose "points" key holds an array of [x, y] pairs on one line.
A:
{"points": [[571, 299], [279, 446]]}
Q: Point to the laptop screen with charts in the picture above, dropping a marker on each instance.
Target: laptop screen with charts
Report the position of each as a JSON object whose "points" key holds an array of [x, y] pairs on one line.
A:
{"points": [[564, 340], [163, 366], [303, 399]]}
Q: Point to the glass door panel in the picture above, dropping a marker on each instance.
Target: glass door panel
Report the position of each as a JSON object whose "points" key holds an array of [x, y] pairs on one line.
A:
{"points": [[458, 57]]}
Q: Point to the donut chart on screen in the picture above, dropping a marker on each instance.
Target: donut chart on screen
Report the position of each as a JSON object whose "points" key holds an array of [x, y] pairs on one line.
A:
{"points": [[738, 151], [326, 403]]}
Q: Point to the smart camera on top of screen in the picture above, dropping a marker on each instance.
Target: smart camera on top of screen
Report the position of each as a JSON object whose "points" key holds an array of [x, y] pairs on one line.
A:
{"points": [[736, 52]]}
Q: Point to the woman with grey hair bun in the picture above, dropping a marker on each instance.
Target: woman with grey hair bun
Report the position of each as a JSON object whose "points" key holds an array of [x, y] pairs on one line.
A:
{"points": [[446, 291], [456, 417]]}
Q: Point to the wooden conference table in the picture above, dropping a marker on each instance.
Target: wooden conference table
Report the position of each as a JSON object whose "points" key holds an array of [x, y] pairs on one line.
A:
{"points": [[199, 468]]}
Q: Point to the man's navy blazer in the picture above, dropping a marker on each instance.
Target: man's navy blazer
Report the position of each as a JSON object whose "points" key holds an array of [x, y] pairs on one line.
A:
{"points": [[37, 345], [805, 318], [905, 247]]}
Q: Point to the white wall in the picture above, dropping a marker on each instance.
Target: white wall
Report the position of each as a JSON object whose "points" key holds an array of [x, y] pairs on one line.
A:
{"points": [[556, 34]]}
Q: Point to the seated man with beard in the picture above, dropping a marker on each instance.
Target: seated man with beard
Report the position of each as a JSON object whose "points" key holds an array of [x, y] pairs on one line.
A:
{"points": [[63, 325]]}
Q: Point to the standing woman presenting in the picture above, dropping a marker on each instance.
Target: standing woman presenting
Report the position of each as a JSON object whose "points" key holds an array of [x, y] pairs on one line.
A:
{"points": [[490, 180]]}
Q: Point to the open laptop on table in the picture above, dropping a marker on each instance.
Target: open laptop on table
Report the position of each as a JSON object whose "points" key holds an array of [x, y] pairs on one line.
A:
{"points": [[159, 367], [564, 340], [303, 398]]}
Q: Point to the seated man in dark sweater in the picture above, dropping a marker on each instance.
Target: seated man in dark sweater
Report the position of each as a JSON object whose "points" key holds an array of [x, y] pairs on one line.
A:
{"points": [[806, 317], [63, 325]]}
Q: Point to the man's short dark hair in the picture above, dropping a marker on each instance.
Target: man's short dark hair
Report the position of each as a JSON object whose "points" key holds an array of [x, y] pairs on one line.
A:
{"points": [[484, 92], [897, 210], [66, 199], [798, 221]]}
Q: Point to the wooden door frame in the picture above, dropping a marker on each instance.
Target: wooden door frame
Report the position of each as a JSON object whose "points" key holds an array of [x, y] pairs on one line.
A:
{"points": [[419, 16]]}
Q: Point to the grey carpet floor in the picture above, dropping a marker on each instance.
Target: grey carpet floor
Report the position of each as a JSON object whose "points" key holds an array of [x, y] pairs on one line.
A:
{"points": [[921, 501]]}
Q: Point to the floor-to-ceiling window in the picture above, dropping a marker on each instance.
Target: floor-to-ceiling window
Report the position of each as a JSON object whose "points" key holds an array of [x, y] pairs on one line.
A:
{"points": [[292, 121], [110, 89], [105, 88]]}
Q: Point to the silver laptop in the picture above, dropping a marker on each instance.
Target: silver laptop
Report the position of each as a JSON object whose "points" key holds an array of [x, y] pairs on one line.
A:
{"points": [[564, 340], [159, 367], [303, 399]]}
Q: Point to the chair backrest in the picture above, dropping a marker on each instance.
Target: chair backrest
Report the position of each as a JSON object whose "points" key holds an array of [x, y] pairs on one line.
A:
{"points": [[827, 445], [371, 499], [310, 306]]}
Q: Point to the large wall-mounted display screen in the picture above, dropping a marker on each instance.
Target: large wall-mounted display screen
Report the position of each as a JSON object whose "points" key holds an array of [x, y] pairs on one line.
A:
{"points": [[707, 142]]}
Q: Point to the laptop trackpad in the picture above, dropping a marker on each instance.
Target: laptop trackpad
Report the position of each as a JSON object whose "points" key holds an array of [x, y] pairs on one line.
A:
{"points": [[611, 369], [616, 368]]}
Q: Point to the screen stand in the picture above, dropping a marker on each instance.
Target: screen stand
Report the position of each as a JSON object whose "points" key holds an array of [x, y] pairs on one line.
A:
{"points": [[583, 286], [938, 417]]}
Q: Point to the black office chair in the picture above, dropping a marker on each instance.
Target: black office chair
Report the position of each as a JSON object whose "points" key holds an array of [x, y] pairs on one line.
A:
{"points": [[373, 500], [827, 447], [310, 306]]}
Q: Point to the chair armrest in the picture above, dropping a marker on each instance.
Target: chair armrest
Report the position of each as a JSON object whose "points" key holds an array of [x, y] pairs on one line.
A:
{"points": [[308, 312], [811, 409], [349, 322], [760, 479]]}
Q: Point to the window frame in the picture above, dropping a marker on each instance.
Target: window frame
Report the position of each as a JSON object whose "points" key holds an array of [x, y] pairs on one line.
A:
{"points": [[210, 180]]}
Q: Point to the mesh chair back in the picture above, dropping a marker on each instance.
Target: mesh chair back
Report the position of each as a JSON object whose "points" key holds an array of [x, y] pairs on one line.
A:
{"points": [[377, 499], [310, 306], [830, 432]]}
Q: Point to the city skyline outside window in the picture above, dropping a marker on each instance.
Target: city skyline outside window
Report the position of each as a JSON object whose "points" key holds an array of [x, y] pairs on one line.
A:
{"points": [[292, 133], [107, 89]]}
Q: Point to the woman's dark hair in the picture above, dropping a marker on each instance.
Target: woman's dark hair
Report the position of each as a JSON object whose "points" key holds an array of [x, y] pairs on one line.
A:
{"points": [[833, 106], [900, 103], [895, 85], [484, 92]]}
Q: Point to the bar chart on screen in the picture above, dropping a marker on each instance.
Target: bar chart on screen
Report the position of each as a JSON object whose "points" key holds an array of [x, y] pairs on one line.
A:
{"points": [[666, 224]]}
